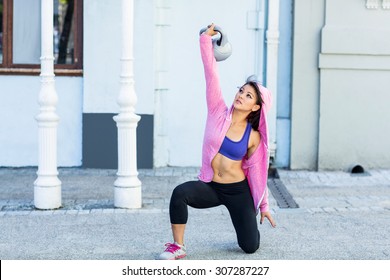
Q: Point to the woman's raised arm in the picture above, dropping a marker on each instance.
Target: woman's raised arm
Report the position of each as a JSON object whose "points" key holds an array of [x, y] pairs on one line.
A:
{"points": [[214, 96]]}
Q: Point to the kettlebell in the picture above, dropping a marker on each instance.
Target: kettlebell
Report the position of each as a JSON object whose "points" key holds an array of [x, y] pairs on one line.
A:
{"points": [[221, 45]]}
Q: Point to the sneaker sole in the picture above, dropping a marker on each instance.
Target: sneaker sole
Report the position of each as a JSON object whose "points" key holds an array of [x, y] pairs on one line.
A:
{"points": [[176, 258], [179, 257]]}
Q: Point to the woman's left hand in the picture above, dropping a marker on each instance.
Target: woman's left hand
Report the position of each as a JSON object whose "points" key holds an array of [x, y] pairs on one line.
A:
{"points": [[269, 217], [210, 30]]}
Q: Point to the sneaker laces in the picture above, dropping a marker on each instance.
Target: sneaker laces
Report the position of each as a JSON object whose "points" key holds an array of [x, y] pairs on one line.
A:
{"points": [[172, 247]]}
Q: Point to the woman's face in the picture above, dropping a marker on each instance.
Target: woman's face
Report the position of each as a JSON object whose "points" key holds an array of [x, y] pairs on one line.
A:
{"points": [[246, 99]]}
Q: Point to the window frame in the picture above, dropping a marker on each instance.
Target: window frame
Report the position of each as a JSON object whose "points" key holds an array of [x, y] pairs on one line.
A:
{"points": [[7, 67]]}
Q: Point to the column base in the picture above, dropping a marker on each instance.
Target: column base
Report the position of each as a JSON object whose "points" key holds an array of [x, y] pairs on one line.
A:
{"points": [[128, 197], [46, 198]]}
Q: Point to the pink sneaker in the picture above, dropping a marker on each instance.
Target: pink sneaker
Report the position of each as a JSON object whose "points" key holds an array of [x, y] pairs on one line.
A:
{"points": [[173, 251]]}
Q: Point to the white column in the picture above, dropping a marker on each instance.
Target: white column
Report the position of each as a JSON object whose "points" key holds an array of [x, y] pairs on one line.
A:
{"points": [[127, 185], [161, 93], [272, 36], [47, 187]]}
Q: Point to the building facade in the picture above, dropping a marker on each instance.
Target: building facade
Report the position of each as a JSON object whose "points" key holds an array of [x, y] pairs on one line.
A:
{"points": [[340, 85], [325, 61]]}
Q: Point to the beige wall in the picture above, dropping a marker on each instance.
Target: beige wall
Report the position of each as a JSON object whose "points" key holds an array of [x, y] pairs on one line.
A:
{"points": [[355, 86], [308, 21], [339, 100]]}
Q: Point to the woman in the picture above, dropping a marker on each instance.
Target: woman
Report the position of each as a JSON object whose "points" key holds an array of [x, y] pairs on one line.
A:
{"points": [[234, 161]]}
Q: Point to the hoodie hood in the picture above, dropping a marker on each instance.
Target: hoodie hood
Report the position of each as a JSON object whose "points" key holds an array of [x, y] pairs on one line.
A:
{"points": [[267, 102]]}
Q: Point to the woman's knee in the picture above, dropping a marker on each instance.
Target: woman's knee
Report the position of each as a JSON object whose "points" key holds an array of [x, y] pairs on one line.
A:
{"points": [[250, 246], [180, 192]]}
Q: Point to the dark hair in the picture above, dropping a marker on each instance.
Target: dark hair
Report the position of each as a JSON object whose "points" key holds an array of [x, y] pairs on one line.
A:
{"points": [[254, 117]]}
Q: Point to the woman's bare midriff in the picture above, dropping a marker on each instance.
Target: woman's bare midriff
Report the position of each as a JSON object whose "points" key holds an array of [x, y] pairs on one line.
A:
{"points": [[226, 170]]}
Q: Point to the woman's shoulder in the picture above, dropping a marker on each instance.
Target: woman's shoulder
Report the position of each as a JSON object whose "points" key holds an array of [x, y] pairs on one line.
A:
{"points": [[255, 136], [254, 142]]}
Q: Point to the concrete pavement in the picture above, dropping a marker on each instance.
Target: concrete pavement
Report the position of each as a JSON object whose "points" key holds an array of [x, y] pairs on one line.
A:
{"points": [[340, 217]]}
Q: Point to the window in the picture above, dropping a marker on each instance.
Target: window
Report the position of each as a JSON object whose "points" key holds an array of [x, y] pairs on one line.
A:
{"points": [[20, 37], [1, 32]]}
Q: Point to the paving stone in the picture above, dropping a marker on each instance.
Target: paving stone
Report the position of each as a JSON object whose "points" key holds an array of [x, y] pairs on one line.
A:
{"points": [[328, 225]]}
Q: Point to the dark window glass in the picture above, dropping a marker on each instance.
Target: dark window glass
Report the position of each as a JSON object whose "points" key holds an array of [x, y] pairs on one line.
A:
{"points": [[64, 44]]}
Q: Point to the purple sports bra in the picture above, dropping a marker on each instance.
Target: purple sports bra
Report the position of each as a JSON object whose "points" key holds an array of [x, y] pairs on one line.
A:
{"points": [[236, 150]]}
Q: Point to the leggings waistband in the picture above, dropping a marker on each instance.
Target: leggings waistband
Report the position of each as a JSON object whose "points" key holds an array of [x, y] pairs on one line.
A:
{"points": [[242, 183]]}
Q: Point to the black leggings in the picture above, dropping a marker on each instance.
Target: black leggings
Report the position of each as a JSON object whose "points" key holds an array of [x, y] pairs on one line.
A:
{"points": [[236, 197]]}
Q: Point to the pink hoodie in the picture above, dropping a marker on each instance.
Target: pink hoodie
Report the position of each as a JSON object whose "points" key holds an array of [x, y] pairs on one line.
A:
{"points": [[218, 122]]}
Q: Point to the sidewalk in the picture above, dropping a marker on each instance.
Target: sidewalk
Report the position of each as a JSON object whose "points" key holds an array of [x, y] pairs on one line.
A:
{"points": [[339, 217]]}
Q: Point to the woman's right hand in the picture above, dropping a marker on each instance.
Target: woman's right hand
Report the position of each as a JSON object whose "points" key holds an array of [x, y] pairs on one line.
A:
{"points": [[269, 217], [210, 30]]}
